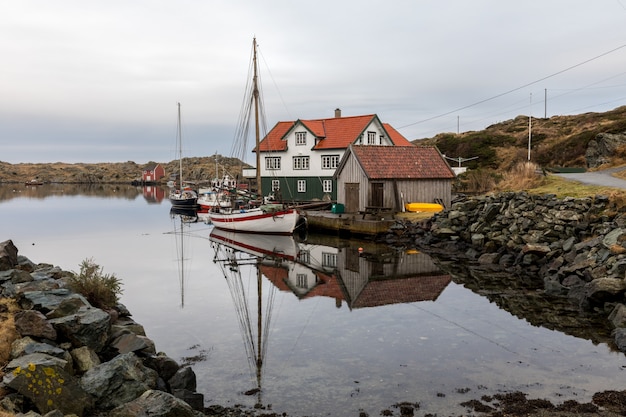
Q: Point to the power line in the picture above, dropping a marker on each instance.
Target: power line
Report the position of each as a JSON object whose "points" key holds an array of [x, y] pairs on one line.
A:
{"points": [[515, 89]]}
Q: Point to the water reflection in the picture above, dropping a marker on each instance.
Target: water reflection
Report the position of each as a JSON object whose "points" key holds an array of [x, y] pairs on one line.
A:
{"points": [[181, 220], [152, 194], [357, 274]]}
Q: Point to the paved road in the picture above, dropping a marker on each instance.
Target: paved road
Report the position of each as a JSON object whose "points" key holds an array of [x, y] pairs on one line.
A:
{"points": [[603, 178]]}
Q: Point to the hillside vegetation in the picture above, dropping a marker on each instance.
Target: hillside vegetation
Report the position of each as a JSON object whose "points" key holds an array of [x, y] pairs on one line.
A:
{"points": [[559, 141]]}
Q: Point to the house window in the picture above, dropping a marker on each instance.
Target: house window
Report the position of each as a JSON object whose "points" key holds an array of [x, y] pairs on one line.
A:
{"points": [[371, 138], [382, 139], [302, 186], [302, 281], [300, 162], [304, 256], [330, 161], [327, 186], [329, 259], [300, 138], [275, 185], [272, 163]]}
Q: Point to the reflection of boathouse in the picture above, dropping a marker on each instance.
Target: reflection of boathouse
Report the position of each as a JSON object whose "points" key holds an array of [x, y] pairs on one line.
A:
{"points": [[361, 278]]}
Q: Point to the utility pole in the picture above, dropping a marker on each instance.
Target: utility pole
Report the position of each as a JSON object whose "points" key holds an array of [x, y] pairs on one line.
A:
{"points": [[530, 124]]}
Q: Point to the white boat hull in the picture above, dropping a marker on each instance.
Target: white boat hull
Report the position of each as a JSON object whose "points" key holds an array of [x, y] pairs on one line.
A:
{"points": [[256, 244], [257, 221]]}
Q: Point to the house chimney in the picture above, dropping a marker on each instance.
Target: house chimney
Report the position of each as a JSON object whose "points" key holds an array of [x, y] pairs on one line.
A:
{"points": [[337, 113]]}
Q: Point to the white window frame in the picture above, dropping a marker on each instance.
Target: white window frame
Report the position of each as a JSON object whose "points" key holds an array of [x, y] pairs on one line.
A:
{"points": [[304, 256], [275, 185], [371, 138], [330, 161], [300, 138], [329, 259], [302, 186], [272, 163], [300, 162], [327, 186]]}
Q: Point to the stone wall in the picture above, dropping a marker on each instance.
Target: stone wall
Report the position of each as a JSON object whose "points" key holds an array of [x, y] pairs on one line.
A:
{"points": [[575, 247]]}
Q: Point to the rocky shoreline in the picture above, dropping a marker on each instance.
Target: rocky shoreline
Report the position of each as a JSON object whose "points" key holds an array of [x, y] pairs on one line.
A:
{"points": [[575, 248], [71, 358]]}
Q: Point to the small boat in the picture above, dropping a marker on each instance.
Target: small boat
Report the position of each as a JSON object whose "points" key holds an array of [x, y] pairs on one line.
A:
{"points": [[423, 207], [33, 182], [250, 216], [182, 196]]}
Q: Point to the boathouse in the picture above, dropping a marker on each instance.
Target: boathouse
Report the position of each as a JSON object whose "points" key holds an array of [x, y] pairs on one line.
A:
{"points": [[152, 173], [388, 177]]}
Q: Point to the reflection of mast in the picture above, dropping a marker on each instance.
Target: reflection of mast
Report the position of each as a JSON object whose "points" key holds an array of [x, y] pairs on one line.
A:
{"points": [[185, 218], [231, 262]]}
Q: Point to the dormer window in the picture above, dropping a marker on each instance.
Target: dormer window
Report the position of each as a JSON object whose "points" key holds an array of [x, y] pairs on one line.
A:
{"points": [[371, 138], [300, 138]]}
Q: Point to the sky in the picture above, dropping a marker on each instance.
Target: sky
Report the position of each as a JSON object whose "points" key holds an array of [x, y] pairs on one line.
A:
{"points": [[99, 81]]}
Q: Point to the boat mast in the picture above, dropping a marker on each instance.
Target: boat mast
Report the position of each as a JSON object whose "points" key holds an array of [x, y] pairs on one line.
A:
{"points": [[255, 94], [180, 149]]}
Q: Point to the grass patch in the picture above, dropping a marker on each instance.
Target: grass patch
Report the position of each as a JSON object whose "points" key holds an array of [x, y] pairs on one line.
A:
{"points": [[101, 290]]}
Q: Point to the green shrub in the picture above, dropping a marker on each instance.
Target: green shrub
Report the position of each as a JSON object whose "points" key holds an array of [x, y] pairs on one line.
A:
{"points": [[101, 290]]}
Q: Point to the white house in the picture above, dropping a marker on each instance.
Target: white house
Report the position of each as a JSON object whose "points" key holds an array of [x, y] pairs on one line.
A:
{"points": [[298, 159]]}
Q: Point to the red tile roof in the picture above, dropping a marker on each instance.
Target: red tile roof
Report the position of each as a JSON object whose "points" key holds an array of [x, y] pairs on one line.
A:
{"points": [[408, 290], [402, 162], [332, 133]]}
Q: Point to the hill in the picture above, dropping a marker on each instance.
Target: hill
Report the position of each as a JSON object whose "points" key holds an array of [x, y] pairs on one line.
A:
{"points": [[558, 141], [198, 169]]}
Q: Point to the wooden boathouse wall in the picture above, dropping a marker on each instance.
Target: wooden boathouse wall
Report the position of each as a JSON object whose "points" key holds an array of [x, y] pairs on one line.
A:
{"points": [[355, 189]]}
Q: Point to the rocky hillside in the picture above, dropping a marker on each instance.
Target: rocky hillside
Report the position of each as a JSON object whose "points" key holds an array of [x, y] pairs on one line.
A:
{"points": [[195, 169], [586, 140]]}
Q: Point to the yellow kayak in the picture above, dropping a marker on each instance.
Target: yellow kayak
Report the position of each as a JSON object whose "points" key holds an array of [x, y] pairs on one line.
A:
{"points": [[429, 207]]}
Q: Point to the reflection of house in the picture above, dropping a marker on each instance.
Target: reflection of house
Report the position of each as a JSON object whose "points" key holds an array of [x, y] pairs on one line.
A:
{"points": [[152, 173], [298, 159], [358, 278], [153, 193], [386, 176], [372, 280]]}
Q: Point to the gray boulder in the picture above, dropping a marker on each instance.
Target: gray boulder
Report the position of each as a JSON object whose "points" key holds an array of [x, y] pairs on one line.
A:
{"points": [[33, 323], [88, 327], [121, 380], [45, 380], [154, 404], [8, 255]]}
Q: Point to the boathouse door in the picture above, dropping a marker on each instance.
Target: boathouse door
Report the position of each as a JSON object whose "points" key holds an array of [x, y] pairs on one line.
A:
{"points": [[376, 194], [352, 197]]}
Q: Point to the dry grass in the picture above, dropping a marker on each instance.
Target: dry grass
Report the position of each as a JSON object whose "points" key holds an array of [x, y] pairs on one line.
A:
{"points": [[521, 176], [8, 335]]}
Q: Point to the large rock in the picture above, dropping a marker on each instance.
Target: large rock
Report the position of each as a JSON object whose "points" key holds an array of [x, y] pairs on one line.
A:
{"points": [[33, 323], [154, 404], [121, 380], [44, 380], [88, 327], [8, 255], [602, 149]]}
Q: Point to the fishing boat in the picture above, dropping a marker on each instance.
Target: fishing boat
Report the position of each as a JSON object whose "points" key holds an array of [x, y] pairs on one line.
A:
{"points": [[182, 196], [246, 213]]}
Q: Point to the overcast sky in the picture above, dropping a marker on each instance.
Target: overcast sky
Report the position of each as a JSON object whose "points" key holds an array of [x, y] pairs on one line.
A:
{"points": [[98, 81]]}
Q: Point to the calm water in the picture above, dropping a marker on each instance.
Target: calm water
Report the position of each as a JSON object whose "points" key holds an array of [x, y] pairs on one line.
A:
{"points": [[343, 329]]}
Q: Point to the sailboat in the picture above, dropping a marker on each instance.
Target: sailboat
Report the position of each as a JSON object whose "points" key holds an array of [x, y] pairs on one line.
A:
{"points": [[244, 216], [182, 196]]}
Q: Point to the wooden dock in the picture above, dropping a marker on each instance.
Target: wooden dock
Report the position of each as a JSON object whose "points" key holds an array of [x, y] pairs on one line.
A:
{"points": [[349, 224]]}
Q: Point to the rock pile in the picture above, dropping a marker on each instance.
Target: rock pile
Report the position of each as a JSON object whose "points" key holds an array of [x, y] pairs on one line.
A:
{"points": [[75, 359], [576, 246]]}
